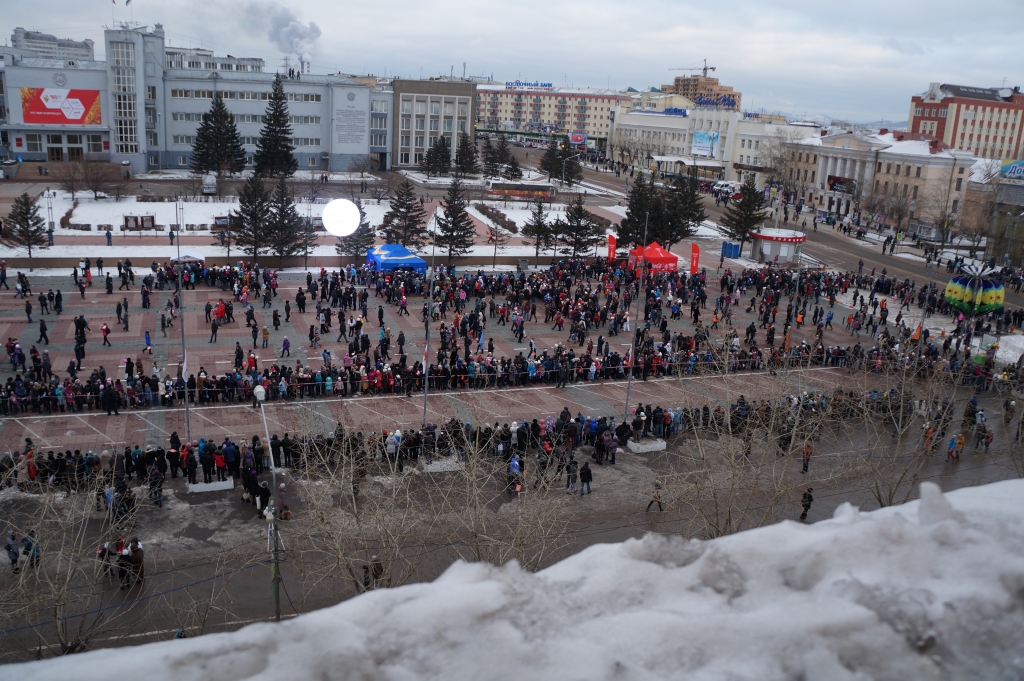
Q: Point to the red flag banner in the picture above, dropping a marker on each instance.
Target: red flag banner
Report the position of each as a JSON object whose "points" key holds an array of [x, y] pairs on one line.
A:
{"points": [[611, 247], [694, 258]]}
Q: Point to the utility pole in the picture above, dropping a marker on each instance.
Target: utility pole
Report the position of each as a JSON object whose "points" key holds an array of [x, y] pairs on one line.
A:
{"points": [[636, 324], [274, 543], [180, 213]]}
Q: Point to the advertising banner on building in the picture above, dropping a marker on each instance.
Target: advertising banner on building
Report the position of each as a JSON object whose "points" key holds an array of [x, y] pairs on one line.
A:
{"points": [[58, 106], [704, 143], [578, 138], [1012, 170]]}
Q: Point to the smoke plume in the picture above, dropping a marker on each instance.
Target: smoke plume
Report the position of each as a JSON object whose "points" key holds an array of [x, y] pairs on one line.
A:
{"points": [[289, 34]]}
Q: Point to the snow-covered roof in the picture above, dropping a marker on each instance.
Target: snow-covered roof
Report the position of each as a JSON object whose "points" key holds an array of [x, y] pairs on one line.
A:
{"points": [[928, 589], [985, 169], [890, 144]]}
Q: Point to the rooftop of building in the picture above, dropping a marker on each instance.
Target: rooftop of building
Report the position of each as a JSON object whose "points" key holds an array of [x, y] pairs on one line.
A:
{"points": [[900, 143], [54, 63], [258, 77], [526, 87], [988, 94]]}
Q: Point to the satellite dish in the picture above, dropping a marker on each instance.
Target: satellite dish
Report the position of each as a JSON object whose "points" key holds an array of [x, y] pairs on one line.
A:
{"points": [[341, 217]]}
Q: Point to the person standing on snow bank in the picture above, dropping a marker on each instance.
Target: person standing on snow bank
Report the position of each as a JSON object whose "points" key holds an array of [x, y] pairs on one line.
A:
{"points": [[806, 502]]}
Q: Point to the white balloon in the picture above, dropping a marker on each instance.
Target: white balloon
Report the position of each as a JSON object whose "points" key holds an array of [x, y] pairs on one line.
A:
{"points": [[341, 217]]}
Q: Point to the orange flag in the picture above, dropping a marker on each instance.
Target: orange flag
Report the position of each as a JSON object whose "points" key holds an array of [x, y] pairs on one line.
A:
{"points": [[788, 331], [917, 333]]}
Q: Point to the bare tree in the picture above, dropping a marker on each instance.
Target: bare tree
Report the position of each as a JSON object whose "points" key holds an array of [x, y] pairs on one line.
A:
{"points": [[363, 164], [69, 177], [102, 178]]}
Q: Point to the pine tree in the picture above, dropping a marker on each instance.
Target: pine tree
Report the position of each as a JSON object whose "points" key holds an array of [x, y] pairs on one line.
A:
{"points": [[307, 237], [502, 151], [743, 216], [550, 162], [512, 170], [638, 205], [405, 223], [578, 233], [251, 226], [465, 156], [537, 230], [569, 167], [285, 224], [438, 159], [492, 164], [456, 232], [274, 151], [26, 228], [684, 211], [218, 146], [356, 244]]}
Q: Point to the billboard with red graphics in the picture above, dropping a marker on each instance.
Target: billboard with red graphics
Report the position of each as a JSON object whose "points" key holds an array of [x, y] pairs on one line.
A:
{"points": [[60, 106]]}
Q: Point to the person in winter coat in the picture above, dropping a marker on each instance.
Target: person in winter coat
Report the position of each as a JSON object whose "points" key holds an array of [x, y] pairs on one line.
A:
{"points": [[206, 461], [191, 464], [283, 512], [11, 545], [156, 485], [221, 464], [586, 477], [570, 475], [806, 502], [655, 498], [264, 498]]}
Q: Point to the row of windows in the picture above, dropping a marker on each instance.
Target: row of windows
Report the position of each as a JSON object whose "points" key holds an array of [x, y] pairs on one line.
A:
{"points": [[34, 141], [303, 97], [930, 111], [378, 106], [403, 158], [183, 161], [306, 142], [435, 124], [435, 108], [304, 120], [183, 139], [378, 140], [231, 94], [184, 116]]}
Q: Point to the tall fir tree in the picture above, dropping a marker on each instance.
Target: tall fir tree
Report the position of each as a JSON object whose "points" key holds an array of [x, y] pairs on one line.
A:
{"points": [[438, 159], [684, 211], [537, 230], [579, 233], [405, 223], [26, 228], [218, 146], [285, 224], [512, 169], [465, 156], [250, 230], [356, 244], [492, 163], [502, 151], [639, 205], [744, 216], [456, 232], [569, 168], [274, 151], [550, 162]]}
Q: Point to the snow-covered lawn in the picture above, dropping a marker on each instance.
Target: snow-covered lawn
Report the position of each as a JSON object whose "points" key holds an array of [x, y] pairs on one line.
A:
{"points": [[928, 590]]}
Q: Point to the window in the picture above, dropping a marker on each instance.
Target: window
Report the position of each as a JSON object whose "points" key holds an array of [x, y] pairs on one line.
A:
{"points": [[55, 139], [956, 204], [403, 158], [462, 126], [151, 92], [421, 108], [419, 157], [150, 115], [227, 94], [124, 79], [406, 123], [303, 97], [34, 142], [74, 139], [378, 140], [449, 108], [407, 107], [743, 144], [248, 118], [433, 140], [435, 108], [151, 139], [183, 160], [181, 94], [404, 140], [447, 125], [434, 124], [943, 113], [95, 143], [227, 67], [959, 183], [304, 120], [419, 123], [123, 54], [250, 141], [203, 94], [150, 67], [306, 142], [888, 168], [917, 111], [311, 161], [378, 124], [379, 106], [154, 160], [195, 65], [182, 139], [917, 171], [915, 192], [248, 95], [419, 140]]}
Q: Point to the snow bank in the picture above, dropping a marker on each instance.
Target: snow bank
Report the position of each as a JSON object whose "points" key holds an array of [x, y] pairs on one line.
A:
{"points": [[931, 589]]}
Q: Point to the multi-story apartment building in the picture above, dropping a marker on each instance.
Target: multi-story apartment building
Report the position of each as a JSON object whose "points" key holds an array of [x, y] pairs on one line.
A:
{"points": [[50, 46], [542, 109], [841, 174], [144, 104], [983, 121], [704, 91], [425, 110]]}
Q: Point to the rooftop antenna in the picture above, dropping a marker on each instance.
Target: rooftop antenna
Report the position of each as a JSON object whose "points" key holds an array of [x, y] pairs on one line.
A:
{"points": [[463, 70]]}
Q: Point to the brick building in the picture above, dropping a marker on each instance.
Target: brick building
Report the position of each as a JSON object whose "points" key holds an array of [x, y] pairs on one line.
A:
{"points": [[984, 121]]}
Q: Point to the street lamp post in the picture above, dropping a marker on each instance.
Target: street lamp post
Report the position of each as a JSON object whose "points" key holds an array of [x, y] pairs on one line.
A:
{"points": [[427, 318], [271, 513], [636, 324], [566, 160], [179, 210]]}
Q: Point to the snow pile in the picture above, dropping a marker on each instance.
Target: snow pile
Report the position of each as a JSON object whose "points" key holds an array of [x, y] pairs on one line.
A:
{"points": [[931, 589]]}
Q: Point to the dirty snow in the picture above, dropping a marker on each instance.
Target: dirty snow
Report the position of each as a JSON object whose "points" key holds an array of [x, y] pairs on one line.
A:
{"points": [[930, 589]]}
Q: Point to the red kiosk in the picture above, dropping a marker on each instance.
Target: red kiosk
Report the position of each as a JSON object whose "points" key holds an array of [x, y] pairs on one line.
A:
{"points": [[657, 257]]}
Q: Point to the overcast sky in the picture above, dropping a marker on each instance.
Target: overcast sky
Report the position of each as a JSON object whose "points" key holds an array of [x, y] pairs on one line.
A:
{"points": [[861, 61]]}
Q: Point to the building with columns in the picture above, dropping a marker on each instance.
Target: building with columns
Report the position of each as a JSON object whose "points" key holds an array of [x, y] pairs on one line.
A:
{"points": [[846, 173]]}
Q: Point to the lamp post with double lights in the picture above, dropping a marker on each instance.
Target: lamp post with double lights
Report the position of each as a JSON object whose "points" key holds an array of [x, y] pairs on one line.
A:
{"points": [[179, 212], [274, 543]]}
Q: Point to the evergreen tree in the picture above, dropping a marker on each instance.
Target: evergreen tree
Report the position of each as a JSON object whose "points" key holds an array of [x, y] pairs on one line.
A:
{"points": [[512, 170], [537, 230], [578, 233], [502, 151], [285, 224], [569, 167], [25, 228], [218, 146], [306, 239], [684, 211], [274, 151], [438, 159], [356, 244], [465, 156], [405, 223], [492, 163], [744, 216], [550, 162], [455, 229], [250, 228], [639, 205]]}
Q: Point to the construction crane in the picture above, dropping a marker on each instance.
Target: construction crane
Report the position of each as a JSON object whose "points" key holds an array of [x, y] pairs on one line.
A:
{"points": [[703, 69]]}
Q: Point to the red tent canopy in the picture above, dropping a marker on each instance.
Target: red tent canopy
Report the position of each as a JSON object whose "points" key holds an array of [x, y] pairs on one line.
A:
{"points": [[659, 259]]}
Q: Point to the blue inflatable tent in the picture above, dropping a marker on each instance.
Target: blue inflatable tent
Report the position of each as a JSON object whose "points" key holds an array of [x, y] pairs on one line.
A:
{"points": [[392, 256]]}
